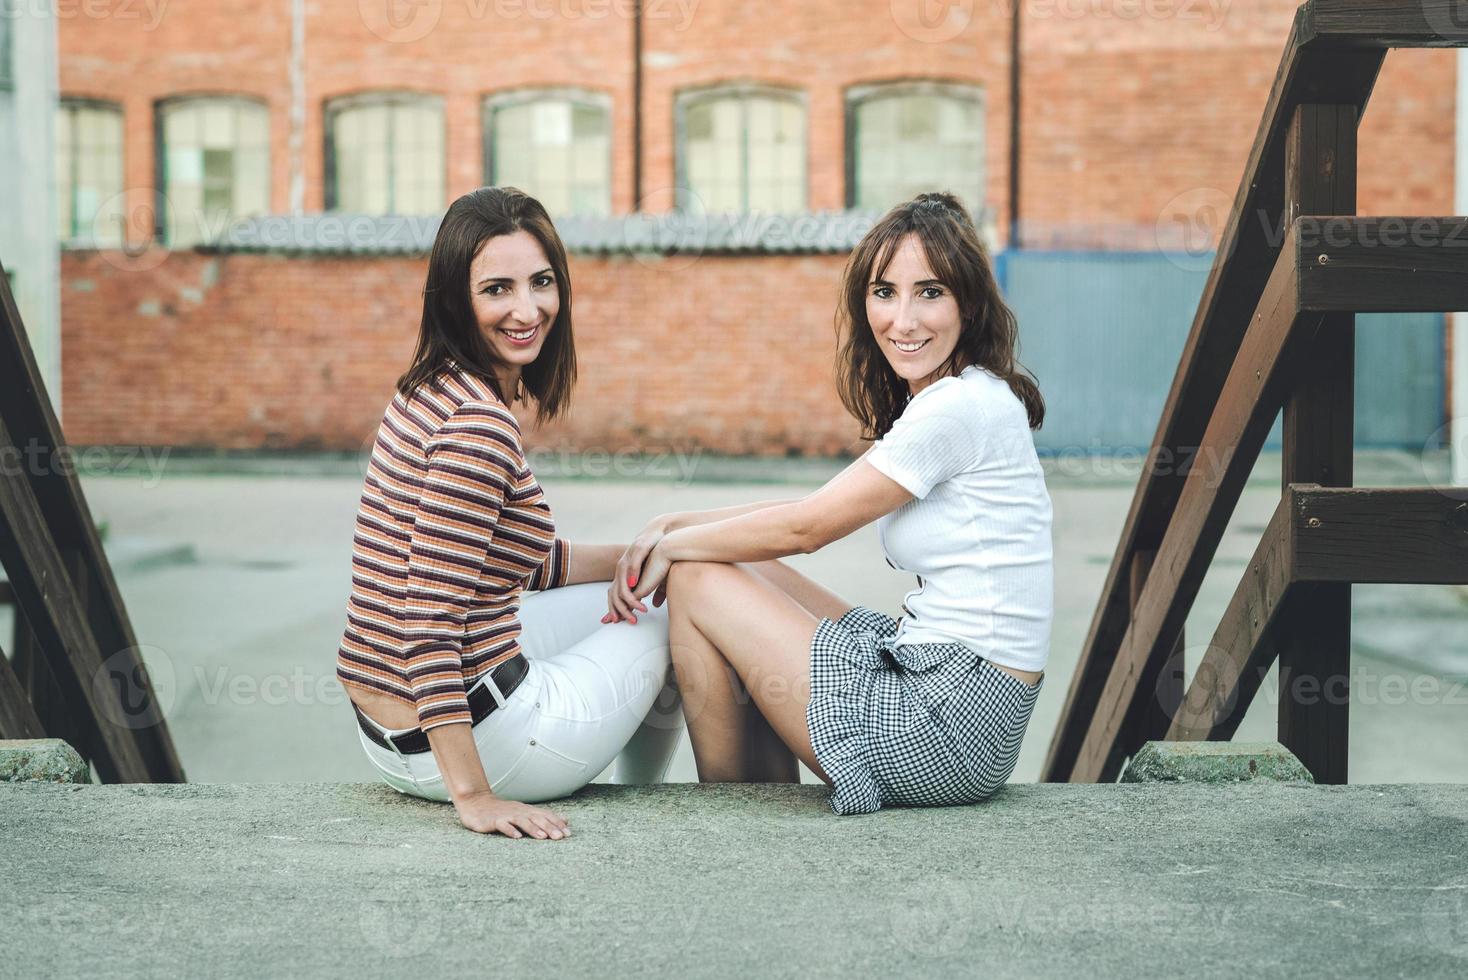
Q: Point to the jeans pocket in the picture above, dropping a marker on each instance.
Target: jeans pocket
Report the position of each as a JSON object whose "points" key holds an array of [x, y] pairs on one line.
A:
{"points": [[542, 773]]}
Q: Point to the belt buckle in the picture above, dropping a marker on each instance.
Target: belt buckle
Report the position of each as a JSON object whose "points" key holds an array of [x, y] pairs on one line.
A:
{"points": [[494, 689]]}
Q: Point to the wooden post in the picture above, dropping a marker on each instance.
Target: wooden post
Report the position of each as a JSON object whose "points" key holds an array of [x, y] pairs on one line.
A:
{"points": [[1164, 701], [17, 717], [1314, 627]]}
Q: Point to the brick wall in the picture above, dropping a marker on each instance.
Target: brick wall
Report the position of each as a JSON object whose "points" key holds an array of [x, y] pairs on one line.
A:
{"points": [[245, 351], [1135, 130], [1124, 117]]}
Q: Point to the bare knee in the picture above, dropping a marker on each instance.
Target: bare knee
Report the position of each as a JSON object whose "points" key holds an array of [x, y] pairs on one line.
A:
{"points": [[686, 578]]}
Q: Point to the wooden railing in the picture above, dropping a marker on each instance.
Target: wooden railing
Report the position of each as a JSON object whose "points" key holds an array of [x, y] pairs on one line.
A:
{"points": [[1275, 331], [75, 672]]}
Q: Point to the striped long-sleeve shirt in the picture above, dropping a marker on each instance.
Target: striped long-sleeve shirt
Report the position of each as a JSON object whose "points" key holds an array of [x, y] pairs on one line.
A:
{"points": [[452, 527]]}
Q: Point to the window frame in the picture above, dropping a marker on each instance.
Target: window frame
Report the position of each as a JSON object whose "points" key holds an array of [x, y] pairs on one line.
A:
{"points": [[334, 106], [7, 53], [161, 108], [494, 102], [858, 95], [689, 98], [68, 102]]}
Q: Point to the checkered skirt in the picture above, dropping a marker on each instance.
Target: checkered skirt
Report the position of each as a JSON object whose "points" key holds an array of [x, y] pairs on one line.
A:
{"points": [[930, 724]]}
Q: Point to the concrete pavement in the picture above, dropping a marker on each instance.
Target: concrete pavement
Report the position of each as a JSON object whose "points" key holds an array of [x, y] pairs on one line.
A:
{"points": [[351, 880]]}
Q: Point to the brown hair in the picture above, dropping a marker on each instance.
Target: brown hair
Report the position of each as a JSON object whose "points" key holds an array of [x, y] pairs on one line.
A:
{"points": [[870, 389], [449, 330]]}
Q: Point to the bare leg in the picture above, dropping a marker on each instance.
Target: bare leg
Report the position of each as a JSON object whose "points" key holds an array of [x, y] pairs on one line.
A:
{"points": [[728, 616], [732, 742], [818, 600]]}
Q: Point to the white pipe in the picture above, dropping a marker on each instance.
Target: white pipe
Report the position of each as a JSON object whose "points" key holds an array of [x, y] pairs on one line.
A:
{"points": [[1458, 370], [298, 107]]}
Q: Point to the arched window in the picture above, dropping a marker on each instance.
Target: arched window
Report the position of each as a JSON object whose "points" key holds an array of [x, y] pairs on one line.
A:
{"points": [[555, 145], [741, 149], [213, 165], [89, 171], [906, 138], [385, 154]]}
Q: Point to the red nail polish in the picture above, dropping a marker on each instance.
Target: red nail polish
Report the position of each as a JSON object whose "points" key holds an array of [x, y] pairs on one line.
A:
{"points": [[631, 581]]}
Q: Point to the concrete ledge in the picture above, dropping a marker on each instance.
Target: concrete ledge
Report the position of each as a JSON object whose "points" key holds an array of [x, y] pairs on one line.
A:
{"points": [[47, 760], [346, 880], [1214, 762]]}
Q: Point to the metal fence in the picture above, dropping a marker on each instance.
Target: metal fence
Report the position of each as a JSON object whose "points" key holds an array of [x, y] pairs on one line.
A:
{"points": [[1103, 332]]}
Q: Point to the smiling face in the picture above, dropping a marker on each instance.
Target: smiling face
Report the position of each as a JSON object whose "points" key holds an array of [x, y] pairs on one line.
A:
{"points": [[914, 318], [513, 291]]}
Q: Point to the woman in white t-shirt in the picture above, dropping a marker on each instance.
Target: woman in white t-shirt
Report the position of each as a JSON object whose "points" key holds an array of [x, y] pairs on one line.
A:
{"points": [[922, 710]]}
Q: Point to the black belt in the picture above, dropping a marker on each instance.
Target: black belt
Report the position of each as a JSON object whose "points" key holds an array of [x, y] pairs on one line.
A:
{"points": [[506, 676]]}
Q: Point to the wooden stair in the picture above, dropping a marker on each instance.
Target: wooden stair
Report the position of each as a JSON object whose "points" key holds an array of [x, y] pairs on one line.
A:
{"points": [[1274, 331]]}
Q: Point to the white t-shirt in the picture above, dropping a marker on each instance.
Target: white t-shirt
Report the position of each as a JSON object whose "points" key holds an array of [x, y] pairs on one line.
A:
{"points": [[977, 535]]}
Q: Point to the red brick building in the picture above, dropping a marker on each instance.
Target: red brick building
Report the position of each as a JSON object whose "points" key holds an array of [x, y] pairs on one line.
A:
{"points": [[1135, 119]]}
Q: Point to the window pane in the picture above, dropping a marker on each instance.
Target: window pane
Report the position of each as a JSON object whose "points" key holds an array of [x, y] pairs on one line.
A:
{"points": [[65, 191], [7, 69], [556, 150], [216, 166], [907, 143], [746, 152], [388, 157], [88, 172], [512, 158], [776, 156], [418, 163]]}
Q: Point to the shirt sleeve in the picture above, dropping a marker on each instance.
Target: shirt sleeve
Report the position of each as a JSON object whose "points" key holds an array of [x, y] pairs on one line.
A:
{"points": [[937, 436], [553, 572], [471, 462]]}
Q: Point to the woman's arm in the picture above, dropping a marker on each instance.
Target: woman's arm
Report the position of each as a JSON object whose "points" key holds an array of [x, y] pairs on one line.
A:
{"points": [[621, 603], [478, 808], [598, 562], [693, 518], [593, 562], [854, 498]]}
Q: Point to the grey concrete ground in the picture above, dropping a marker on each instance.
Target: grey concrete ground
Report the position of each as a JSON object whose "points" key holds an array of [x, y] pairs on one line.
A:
{"points": [[236, 575], [351, 880]]}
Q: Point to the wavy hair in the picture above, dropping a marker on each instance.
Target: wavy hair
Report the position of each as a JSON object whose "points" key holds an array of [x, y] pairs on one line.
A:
{"points": [[989, 332], [449, 330]]}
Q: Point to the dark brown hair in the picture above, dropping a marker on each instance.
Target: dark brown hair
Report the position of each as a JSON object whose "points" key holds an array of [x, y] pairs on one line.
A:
{"points": [[449, 329], [988, 335]]}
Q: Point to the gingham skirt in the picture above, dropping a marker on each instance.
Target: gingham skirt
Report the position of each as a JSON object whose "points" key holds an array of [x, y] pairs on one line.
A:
{"points": [[930, 724]]}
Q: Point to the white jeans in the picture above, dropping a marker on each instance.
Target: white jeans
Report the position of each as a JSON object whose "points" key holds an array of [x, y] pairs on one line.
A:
{"points": [[592, 692]]}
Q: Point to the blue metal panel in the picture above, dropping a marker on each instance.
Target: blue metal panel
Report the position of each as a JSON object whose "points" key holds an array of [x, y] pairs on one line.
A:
{"points": [[1103, 332]]}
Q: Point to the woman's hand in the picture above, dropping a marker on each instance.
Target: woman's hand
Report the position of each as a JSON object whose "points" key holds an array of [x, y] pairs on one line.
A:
{"points": [[485, 813], [621, 602], [654, 578]]}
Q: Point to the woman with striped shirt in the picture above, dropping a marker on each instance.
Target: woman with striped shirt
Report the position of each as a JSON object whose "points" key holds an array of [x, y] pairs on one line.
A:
{"points": [[929, 708], [465, 688]]}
